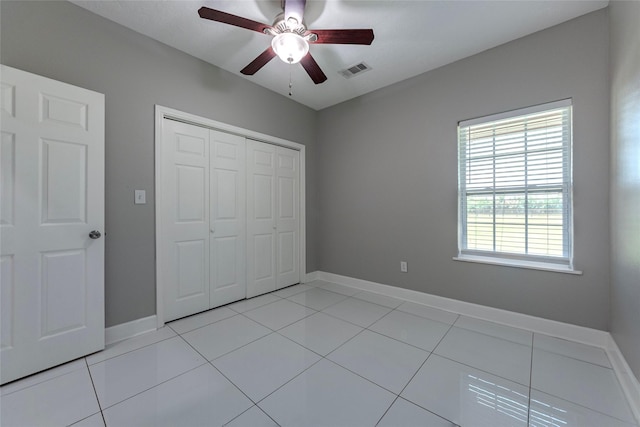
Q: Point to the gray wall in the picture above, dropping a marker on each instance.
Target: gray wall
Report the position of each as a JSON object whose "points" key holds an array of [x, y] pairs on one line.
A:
{"points": [[625, 179], [64, 42], [388, 185], [387, 174]]}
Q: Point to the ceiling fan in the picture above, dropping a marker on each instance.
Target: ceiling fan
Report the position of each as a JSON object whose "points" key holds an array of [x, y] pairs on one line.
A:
{"points": [[291, 37]]}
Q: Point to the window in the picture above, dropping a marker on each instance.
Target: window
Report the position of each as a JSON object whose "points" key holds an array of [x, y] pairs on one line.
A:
{"points": [[515, 187]]}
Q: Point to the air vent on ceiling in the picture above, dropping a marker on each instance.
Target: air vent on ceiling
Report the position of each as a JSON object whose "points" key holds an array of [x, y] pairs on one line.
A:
{"points": [[354, 70]]}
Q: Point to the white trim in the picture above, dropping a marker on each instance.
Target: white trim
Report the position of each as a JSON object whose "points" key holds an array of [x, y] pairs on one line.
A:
{"points": [[554, 328], [310, 277], [532, 265], [628, 381], [162, 113], [517, 113], [131, 329]]}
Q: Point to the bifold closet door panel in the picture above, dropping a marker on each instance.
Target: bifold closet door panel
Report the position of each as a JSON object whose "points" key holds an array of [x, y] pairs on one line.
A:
{"points": [[185, 215], [261, 218], [227, 218], [288, 216]]}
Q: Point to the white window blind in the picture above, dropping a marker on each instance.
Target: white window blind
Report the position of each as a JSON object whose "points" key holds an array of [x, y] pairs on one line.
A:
{"points": [[515, 185]]}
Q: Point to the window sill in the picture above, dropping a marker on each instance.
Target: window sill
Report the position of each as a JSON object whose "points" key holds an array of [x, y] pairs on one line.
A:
{"points": [[518, 264]]}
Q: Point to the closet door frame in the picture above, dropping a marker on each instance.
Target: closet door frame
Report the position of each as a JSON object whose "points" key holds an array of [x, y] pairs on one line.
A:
{"points": [[162, 113]]}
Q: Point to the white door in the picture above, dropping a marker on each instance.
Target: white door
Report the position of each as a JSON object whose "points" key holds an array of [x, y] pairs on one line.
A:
{"points": [[288, 216], [52, 198], [273, 217], [227, 218], [184, 256], [261, 218]]}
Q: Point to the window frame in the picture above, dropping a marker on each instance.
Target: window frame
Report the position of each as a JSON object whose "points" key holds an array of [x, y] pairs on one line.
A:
{"points": [[563, 263]]}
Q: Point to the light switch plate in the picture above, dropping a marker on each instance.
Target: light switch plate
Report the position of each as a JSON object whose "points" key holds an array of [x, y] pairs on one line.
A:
{"points": [[140, 197]]}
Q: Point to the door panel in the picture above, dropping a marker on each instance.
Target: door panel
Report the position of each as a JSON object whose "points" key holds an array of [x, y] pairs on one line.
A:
{"points": [[8, 179], [288, 221], [191, 196], [191, 263], [261, 219], [63, 285], [185, 219], [6, 302], [228, 218], [64, 168], [52, 196]]}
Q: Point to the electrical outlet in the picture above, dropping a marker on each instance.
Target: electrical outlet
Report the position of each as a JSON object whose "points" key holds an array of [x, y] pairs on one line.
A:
{"points": [[403, 266]]}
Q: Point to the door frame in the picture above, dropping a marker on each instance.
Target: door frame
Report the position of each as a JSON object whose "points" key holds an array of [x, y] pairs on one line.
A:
{"points": [[162, 113]]}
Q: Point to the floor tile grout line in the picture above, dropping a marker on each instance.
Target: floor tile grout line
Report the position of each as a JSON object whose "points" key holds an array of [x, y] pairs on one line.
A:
{"points": [[288, 324], [343, 344], [427, 317], [424, 317], [297, 343], [233, 313], [494, 336], [344, 367], [371, 302], [293, 378], [244, 412], [154, 386], [416, 373], [400, 341], [367, 379], [588, 408], [237, 348], [575, 358], [95, 392], [425, 361], [135, 349], [449, 326], [254, 308], [478, 369], [350, 322], [387, 410], [430, 411], [210, 362], [44, 380], [324, 308]]}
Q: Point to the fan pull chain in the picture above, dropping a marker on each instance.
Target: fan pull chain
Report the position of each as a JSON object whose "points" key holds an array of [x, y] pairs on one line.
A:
{"points": [[290, 83]]}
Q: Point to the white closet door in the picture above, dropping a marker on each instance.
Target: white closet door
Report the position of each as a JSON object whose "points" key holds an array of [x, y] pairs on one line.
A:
{"points": [[51, 198], [185, 205], [288, 216], [227, 218], [261, 218]]}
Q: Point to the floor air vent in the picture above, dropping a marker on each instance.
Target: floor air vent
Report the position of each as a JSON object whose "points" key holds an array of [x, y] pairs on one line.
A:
{"points": [[354, 70]]}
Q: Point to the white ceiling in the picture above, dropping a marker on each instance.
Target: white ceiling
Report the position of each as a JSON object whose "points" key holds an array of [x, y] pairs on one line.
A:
{"points": [[411, 37]]}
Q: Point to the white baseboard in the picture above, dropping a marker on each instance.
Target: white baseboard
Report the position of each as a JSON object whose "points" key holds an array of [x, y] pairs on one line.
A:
{"points": [[628, 381], [580, 334], [310, 277], [126, 330], [535, 324]]}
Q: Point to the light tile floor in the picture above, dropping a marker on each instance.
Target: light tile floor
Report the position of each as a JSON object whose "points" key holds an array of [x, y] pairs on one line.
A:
{"points": [[322, 354]]}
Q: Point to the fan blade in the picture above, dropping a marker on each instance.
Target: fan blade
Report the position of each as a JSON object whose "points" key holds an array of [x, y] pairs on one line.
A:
{"points": [[313, 69], [344, 36], [294, 9], [227, 18], [259, 62]]}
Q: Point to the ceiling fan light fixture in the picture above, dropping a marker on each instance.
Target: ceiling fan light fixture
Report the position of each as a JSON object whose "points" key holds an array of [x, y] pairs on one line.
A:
{"points": [[290, 47]]}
